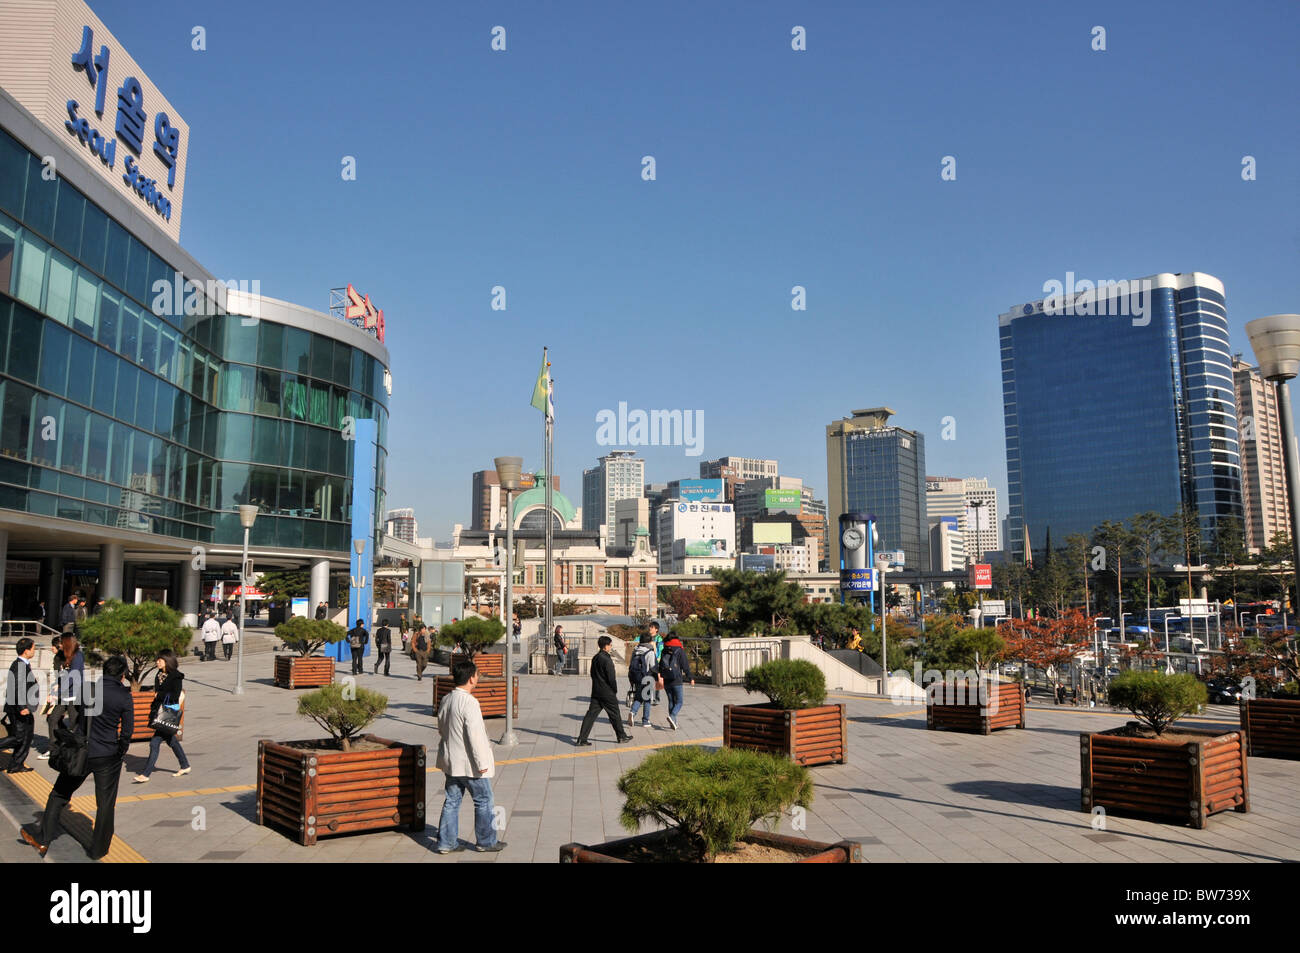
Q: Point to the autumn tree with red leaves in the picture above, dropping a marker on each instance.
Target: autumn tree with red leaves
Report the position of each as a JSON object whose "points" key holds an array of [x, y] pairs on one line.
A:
{"points": [[1045, 643]]}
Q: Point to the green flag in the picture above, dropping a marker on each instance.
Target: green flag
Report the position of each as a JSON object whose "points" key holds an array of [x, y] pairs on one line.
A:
{"points": [[542, 392]]}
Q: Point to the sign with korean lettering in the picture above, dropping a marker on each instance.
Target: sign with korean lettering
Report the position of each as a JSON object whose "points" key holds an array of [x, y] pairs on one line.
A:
{"points": [[363, 314], [858, 580], [63, 65]]}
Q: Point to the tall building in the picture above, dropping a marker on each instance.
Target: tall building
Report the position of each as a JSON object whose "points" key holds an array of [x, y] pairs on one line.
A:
{"points": [[1118, 402], [878, 469], [402, 525], [631, 520], [974, 505], [619, 476], [696, 537], [1263, 469], [947, 545], [734, 471]]}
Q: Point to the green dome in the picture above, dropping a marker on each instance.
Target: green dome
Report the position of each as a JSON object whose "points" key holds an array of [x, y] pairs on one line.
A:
{"points": [[537, 497]]}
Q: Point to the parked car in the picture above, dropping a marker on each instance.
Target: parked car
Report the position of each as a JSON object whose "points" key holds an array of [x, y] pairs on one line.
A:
{"points": [[1222, 691]]}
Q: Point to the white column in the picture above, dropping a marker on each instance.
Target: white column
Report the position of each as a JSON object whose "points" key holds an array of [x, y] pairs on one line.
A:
{"points": [[189, 594], [320, 586], [110, 571]]}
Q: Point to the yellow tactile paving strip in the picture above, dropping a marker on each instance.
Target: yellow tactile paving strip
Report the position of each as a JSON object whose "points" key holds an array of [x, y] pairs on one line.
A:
{"points": [[77, 819]]}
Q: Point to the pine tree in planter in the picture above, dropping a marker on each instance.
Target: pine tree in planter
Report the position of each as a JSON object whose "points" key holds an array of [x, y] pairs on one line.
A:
{"points": [[709, 802], [346, 783], [795, 722], [469, 639], [138, 633], [306, 637], [1147, 768]]}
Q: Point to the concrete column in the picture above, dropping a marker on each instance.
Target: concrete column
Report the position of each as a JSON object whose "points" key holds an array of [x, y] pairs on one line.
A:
{"points": [[110, 571], [189, 594], [52, 590], [320, 586], [4, 555], [412, 593]]}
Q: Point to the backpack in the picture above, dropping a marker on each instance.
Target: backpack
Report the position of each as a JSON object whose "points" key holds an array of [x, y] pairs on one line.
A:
{"points": [[421, 644], [637, 669], [69, 743], [669, 668]]}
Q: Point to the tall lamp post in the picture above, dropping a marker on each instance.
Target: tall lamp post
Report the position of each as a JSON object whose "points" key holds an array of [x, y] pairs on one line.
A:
{"points": [[247, 516], [1276, 343], [509, 474], [882, 567]]}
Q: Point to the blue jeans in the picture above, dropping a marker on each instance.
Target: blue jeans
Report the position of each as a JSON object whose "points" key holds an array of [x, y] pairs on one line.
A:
{"points": [[641, 699], [676, 697], [561, 659], [480, 792], [155, 745]]}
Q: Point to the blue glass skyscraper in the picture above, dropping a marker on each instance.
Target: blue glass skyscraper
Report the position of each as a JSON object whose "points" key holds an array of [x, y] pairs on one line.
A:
{"points": [[1118, 399]]}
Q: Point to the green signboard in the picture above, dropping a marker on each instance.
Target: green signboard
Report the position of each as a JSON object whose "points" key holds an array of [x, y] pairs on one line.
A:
{"points": [[783, 499]]}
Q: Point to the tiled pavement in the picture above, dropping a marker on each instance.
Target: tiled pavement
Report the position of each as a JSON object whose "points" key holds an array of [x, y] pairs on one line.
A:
{"points": [[907, 794]]}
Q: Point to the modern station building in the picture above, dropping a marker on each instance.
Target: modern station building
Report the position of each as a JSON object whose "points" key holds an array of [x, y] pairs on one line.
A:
{"points": [[143, 401]]}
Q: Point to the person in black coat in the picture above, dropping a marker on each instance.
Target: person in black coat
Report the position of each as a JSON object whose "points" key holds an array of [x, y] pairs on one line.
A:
{"points": [[383, 647], [22, 697], [604, 694], [168, 689], [358, 637], [108, 738]]}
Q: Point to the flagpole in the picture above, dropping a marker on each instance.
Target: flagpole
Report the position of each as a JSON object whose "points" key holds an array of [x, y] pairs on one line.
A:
{"points": [[550, 509]]}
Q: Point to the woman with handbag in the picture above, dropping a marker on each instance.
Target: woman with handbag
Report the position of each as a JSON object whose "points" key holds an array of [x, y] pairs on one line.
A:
{"points": [[166, 714]]}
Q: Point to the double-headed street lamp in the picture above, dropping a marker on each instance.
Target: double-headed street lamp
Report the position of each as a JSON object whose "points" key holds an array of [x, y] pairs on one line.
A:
{"points": [[1276, 343], [247, 517], [509, 473]]}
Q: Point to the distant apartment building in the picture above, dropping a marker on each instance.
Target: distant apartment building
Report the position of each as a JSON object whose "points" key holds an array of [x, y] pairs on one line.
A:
{"points": [[947, 545], [1263, 467], [875, 468], [618, 476], [401, 524], [734, 471], [974, 504]]}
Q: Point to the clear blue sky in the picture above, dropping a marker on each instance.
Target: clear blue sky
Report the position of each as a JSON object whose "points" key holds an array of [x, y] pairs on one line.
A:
{"points": [[775, 168]]}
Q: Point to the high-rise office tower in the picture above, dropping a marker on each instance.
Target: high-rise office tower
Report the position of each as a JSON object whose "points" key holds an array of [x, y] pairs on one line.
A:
{"points": [[1118, 401], [974, 504], [619, 476], [877, 469], [1263, 471]]}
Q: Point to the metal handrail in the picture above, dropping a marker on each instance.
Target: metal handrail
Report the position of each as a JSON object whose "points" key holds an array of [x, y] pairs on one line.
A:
{"points": [[27, 628]]}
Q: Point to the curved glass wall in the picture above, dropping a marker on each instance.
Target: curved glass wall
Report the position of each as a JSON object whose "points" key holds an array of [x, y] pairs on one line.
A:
{"points": [[119, 416]]}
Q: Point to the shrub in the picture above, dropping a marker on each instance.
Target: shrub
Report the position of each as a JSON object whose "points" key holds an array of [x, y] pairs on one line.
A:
{"points": [[788, 683], [474, 634], [138, 632], [712, 797], [343, 711], [1158, 700], [305, 636]]}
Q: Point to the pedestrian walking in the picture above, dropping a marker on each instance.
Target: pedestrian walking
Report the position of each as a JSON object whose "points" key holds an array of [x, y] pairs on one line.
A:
{"points": [[604, 694], [420, 649], [643, 674], [169, 690], [404, 631], [659, 651], [229, 636], [22, 695], [675, 671], [106, 735], [211, 636], [465, 759], [68, 614], [321, 611], [561, 650], [81, 614], [855, 642], [71, 669], [358, 637], [56, 664], [383, 648]]}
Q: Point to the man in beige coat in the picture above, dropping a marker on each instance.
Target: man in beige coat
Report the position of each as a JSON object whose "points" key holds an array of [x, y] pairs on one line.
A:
{"points": [[465, 759]]}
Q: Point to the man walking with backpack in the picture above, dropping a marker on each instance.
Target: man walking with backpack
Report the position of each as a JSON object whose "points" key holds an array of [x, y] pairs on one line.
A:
{"points": [[643, 675], [675, 670], [383, 648], [604, 694], [420, 649], [358, 637]]}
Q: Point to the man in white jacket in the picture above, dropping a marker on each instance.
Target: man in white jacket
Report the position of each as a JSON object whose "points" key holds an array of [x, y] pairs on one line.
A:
{"points": [[211, 636], [465, 759], [229, 636]]}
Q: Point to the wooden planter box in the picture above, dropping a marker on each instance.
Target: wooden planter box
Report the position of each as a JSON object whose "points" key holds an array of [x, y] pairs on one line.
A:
{"points": [[1175, 780], [295, 671], [489, 666], [1272, 727], [955, 706], [844, 852], [141, 703], [311, 793], [810, 736], [490, 692]]}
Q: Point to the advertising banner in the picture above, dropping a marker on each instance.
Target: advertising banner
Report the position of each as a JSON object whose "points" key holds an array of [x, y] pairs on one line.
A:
{"points": [[858, 580], [981, 576], [783, 499], [695, 491], [771, 533]]}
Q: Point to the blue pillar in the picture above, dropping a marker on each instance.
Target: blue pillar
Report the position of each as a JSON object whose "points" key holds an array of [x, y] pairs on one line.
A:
{"points": [[366, 434]]}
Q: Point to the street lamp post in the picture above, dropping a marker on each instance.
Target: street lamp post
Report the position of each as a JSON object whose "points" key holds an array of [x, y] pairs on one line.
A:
{"points": [[247, 516], [882, 566], [1276, 343], [509, 473]]}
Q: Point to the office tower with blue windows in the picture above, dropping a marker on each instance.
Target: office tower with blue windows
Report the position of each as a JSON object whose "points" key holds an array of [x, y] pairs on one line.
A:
{"points": [[1118, 399]]}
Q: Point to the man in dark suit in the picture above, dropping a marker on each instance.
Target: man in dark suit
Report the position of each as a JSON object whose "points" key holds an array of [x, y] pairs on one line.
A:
{"points": [[68, 615], [108, 739], [383, 647], [358, 637], [22, 697], [604, 694]]}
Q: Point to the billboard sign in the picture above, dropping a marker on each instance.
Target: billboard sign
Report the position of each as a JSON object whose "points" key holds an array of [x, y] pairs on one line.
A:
{"points": [[783, 499], [706, 547], [695, 491], [771, 533], [361, 313], [981, 576], [994, 607], [751, 562], [858, 580]]}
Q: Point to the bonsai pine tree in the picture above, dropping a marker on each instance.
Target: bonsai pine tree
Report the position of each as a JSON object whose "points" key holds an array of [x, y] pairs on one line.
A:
{"points": [[137, 632], [712, 797], [474, 635], [788, 683], [1157, 699], [343, 711], [305, 635]]}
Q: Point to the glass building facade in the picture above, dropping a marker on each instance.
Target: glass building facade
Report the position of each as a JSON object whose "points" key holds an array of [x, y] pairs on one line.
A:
{"points": [[1124, 405], [119, 413]]}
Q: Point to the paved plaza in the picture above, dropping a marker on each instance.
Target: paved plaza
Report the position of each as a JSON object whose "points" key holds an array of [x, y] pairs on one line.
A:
{"points": [[907, 794]]}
